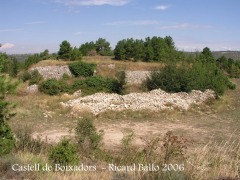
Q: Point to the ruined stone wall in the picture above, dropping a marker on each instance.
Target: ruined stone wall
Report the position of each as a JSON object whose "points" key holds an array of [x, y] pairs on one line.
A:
{"points": [[136, 77], [52, 71], [132, 77]]}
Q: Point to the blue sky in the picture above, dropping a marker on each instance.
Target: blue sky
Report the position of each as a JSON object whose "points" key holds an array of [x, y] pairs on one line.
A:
{"points": [[31, 26]]}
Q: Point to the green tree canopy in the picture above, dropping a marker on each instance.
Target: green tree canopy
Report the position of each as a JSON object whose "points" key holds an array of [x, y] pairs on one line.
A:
{"points": [[65, 50], [3, 63], [152, 49], [7, 139], [87, 47], [207, 56], [75, 54], [44, 55], [103, 47]]}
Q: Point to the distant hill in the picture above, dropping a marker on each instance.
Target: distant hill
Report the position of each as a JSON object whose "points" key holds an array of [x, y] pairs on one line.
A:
{"points": [[20, 57], [217, 54], [229, 54]]}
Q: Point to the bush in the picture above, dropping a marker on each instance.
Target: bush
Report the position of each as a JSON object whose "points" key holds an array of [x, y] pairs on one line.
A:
{"points": [[65, 86], [7, 140], [82, 69], [200, 76], [66, 76], [50, 87], [96, 84], [64, 154], [25, 76], [170, 79], [36, 77], [86, 135], [88, 86]]}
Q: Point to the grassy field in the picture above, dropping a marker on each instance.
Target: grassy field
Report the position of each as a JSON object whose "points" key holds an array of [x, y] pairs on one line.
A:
{"points": [[212, 132]]}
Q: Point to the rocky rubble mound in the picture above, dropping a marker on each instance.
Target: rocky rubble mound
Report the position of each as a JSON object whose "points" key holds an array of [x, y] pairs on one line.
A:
{"points": [[136, 77], [53, 71], [154, 100]]}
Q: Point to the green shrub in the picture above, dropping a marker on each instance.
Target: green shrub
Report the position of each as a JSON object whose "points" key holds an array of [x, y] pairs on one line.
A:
{"points": [[78, 84], [200, 76], [50, 87], [65, 86], [66, 76], [231, 85], [7, 140], [86, 135], [25, 76], [64, 154], [88, 86], [36, 77], [170, 79], [96, 84], [82, 69]]}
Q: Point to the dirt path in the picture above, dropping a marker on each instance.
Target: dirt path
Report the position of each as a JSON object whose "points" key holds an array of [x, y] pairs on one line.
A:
{"points": [[114, 133]]}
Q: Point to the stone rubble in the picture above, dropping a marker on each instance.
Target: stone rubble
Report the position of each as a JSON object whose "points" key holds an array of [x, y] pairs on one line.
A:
{"points": [[49, 72], [154, 100], [132, 77], [136, 77], [32, 89]]}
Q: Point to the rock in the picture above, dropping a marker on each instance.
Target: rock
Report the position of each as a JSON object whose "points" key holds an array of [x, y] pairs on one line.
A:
{"points": [[49, 72], [111, 66], [154, 100], [32, 89], [77, 93], [136, 77]]}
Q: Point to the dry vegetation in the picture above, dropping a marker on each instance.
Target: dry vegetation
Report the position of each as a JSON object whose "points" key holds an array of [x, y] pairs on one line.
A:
{"points": [[212, 131]]}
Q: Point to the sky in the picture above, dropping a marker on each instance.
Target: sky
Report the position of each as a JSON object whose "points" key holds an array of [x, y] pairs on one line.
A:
{"points": [[31, 26]]}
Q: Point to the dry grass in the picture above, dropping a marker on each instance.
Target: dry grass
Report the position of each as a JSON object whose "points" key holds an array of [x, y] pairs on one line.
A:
{"points": [[106, 60], [123, 65], [50, 63], [215, 160], [40, 111]]}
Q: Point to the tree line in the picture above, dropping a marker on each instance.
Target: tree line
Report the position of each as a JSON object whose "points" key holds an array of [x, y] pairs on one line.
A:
{"points": [[100, 47], [156, 49]]}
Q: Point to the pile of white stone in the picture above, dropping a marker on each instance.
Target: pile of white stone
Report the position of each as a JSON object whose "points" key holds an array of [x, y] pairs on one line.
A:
{"points": [[136, 77], [154, 100], [52, 71]]}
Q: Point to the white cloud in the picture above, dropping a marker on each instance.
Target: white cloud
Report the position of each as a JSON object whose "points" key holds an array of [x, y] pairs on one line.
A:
{"points": [[162, 7], [93, 2], [7, 46], [132, 23], [185, 26]]}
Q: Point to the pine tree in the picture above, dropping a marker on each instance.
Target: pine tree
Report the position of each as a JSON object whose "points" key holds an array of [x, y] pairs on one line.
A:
{"points": [[7, 140], [65, 50]]}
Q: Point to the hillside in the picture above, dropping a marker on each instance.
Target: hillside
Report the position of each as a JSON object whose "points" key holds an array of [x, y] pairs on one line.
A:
{"points": [[190, 118], [217, 54], [228, 54]]}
